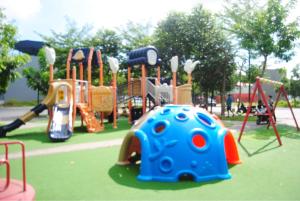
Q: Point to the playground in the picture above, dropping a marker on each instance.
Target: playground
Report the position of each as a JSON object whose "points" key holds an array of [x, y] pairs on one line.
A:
{"points": [[165, 149], [267, 170]]}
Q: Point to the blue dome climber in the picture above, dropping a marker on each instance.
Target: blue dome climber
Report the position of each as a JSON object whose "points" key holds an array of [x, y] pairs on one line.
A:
{"points": [[177, 140]]}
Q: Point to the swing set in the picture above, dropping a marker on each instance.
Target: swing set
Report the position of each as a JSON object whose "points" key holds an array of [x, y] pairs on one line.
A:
{"points": [[258, 87]]}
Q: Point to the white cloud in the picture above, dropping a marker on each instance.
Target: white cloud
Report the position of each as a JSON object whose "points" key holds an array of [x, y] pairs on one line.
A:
{"points": [[20, 9]]}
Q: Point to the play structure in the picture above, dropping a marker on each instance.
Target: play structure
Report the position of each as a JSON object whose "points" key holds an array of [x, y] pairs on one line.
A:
{"points": [[269, 111], [11, 189], [150, 88], [176, 141], [65, 96]]}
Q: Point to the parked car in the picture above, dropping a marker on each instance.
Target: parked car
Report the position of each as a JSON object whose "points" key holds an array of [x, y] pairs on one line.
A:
{"points": [[211, 102]]}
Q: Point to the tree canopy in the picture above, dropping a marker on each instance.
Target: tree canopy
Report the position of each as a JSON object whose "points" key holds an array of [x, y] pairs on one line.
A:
{"points": [[38, 78], [108, 41], [295, 82], [197, 36], [264, 30], [9, 60]]}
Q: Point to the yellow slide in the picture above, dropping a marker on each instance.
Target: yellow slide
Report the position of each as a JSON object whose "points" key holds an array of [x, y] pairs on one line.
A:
{"points": [[48, 102]]}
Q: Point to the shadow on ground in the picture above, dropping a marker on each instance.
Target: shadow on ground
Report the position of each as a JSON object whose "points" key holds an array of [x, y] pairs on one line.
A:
{"points": [[127, 176], [271, 145], [264, 133]]}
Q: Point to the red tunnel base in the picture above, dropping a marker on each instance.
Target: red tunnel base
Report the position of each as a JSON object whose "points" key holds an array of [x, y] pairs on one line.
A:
{"points": [[15, 191]]}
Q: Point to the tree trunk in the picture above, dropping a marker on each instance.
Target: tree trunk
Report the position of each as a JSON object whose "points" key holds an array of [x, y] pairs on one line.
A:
{"points": [[38, 96], [193, 95], [240, 89], [206, 99], [223, 94], [211, 97], [264, 65]]}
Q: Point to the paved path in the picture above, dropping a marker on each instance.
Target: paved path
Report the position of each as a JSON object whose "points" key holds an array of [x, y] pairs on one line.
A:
{"points": [[283, 115], [95, 145], [68, 148], [9, 114]]}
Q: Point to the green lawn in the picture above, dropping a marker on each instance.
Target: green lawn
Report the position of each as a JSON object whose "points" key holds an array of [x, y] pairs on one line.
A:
{"points": [[238, 118], [268, 172], [36, 138]]}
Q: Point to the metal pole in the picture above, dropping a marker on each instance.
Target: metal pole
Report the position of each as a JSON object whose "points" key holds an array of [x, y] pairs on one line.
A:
{"points": [[249, 64]]}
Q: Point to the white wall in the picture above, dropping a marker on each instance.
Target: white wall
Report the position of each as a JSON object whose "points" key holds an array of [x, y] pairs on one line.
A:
{"points": [[19, 90]]}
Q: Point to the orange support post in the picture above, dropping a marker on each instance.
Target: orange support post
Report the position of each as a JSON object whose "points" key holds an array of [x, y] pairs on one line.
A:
{"points": [[90, 78], [81, 84], [158, 74], [174, 88], [115, 99], [69, 63], [74, 94], [100, 63], [51, 73], [129, 91], [157, 102], [144, 88], [189, 78], [49, 119]]}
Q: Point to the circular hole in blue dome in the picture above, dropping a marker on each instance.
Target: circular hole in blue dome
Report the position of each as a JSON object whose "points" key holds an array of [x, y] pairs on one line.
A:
{"points": [[199, 139], [186, 109], [166, 111], [166, 164], [181, 117], [160, 127], [204, 119]]}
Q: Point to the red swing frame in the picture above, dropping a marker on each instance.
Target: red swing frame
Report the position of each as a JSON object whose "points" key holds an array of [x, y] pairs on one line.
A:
{"points": [[258, 87]]}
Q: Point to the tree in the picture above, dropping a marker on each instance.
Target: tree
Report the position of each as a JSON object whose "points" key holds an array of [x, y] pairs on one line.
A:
{"points": [[263, 30], [284, 79], [170, 37], [9, 61], [110, 44], [295, 83], [73, 37], [251, 74], [108, 41], [135, 35], [197, 36], [38, 79]]}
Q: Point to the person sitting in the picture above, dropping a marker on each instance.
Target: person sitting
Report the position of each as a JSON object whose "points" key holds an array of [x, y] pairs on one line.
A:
{"points": [[261, 109], [242, 108]]}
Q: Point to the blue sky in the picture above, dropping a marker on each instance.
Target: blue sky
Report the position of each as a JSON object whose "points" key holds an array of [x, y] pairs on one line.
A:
{"points": [[42, 16]]}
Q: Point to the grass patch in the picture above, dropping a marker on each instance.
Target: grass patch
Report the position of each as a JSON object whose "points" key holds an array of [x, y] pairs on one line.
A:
{"points": [[16, 103], [294, 103], [238, 118], [93, 175], [263, 133], [36, 138]]}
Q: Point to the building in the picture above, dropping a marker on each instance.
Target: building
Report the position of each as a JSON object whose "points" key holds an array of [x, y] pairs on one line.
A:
{"points": [[271, 74], [18, 90]]}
